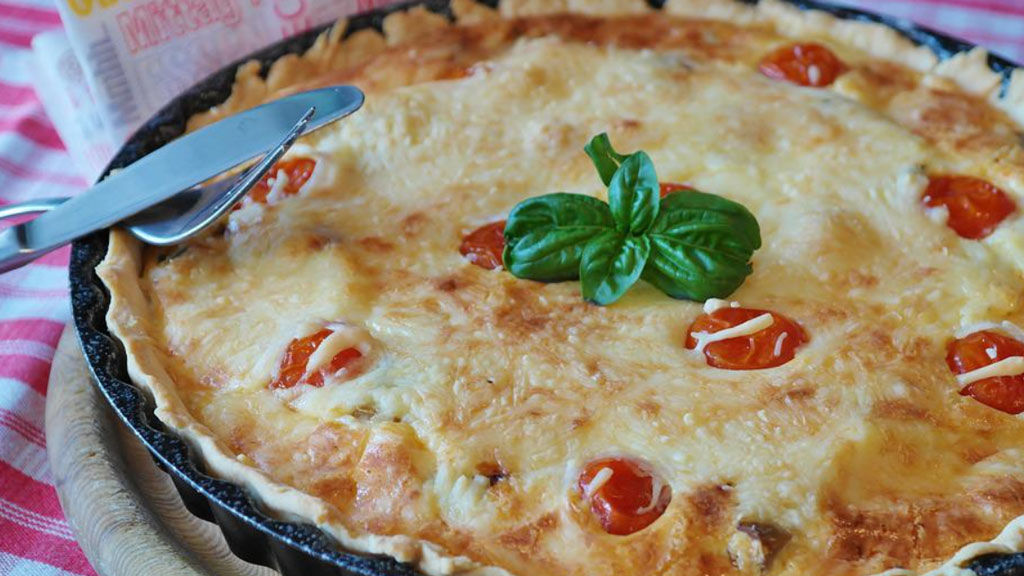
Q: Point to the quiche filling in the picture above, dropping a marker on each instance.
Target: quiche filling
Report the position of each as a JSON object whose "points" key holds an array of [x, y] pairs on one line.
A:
{"points": [[381, 339]]}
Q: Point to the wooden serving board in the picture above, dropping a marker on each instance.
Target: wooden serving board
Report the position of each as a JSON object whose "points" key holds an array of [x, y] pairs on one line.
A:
{"points": [[124, 511]]}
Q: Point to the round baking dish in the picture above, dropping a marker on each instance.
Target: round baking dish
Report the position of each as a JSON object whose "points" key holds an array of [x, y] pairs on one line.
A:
{"points": [[296, 549]]}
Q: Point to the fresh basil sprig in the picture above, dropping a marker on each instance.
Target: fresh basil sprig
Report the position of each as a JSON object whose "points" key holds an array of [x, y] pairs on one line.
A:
{"points": [[689, 245]]}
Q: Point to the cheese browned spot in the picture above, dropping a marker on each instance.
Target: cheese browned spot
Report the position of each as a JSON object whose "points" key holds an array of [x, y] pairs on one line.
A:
{"points": [[755, 544], [859, 448]]}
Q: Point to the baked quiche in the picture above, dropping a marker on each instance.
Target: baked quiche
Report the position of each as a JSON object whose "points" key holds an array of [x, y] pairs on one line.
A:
{"points": [[589, 288]]}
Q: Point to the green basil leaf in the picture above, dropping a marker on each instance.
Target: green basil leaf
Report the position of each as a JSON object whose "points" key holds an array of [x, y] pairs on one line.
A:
{"points": [[633, 194], [545, 235], [612, 263], [701, 245], [677, 207], [675, 276], [605, 158]]}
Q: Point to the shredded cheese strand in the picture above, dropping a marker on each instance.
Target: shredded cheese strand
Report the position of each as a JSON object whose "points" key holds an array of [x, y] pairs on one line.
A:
{"points": [[657, 485], [280, 180], [1012, 366], [711, 305], [752, 326], [813, 74], [342, 338], [600, 479], [778, 344]]}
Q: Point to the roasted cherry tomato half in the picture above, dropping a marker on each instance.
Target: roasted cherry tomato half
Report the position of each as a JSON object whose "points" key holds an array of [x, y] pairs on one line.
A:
{"points": [[485, 245], [298, 171], [980, 349], [767, 348], [975, 206], [809, 64], [671, 187], [292, 370], [624, 494]]}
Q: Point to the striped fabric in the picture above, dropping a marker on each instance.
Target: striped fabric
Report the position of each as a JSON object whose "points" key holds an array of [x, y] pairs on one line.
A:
{"points": [[995, 24], [35, 540]]}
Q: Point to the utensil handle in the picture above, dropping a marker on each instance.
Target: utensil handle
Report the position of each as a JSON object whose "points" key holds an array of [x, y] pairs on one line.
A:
{"points": [[30, 207], [14, 251]]}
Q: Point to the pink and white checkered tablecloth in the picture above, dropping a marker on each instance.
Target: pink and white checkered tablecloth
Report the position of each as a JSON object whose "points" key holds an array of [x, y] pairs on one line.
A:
{"points": [[35, 540]]}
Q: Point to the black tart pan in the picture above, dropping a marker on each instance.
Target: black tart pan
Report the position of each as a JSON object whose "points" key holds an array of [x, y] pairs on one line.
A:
{"points": [[298, 549]]}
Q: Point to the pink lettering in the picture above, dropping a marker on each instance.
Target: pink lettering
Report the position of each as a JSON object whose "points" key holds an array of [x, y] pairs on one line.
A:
{"points": [[135, 29]]}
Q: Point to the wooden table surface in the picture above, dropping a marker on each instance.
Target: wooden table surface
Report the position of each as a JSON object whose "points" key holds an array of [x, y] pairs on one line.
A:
{"points": [[124, 511]]}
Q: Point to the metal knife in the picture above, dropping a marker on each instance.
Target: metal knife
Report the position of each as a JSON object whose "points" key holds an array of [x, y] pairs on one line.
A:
{"points": [[172, 169]]}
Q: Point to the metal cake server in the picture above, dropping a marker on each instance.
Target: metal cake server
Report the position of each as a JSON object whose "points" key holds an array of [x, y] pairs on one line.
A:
{"points": [[161, 199]]}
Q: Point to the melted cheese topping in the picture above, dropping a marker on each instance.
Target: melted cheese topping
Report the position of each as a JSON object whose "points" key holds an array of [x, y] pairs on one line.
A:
{"points": [[858, 449], [1006, 327]]}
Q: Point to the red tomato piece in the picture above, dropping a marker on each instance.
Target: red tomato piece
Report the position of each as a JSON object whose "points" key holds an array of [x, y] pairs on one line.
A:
{"points": [[980, 349], [485, 245], [975, 206], [626, 502], [293, 366], [671, 187], [768, 348], [453, 71], [298, 171], [803, 64]]}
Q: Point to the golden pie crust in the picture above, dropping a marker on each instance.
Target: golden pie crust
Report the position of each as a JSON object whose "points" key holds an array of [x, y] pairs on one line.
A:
{"points": [[860, 449]]}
